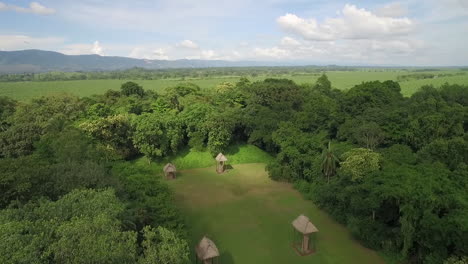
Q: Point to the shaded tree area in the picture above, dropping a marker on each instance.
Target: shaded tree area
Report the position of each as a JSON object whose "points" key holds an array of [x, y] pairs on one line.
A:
{"points": [[392, 169], [68, 196]]}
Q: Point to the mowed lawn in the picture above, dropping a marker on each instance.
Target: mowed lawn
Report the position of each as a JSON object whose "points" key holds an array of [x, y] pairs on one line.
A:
{"points": [[249, 217]]}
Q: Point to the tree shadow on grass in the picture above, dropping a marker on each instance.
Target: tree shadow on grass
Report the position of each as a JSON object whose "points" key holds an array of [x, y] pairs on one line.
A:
{"points": [[226, 258], [232, 149], [180, 154]]}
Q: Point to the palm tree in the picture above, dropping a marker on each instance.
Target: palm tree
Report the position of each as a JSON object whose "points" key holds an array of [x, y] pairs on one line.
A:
{"points": [[329, 162]]}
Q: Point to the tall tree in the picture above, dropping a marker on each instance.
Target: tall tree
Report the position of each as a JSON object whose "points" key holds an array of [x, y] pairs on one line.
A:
{"points": [[360, 162], [157, 135], [329, 162], [131, 88]]}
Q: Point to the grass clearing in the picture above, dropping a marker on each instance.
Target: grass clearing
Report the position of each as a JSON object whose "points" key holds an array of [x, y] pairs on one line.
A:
{"points": [[343, 80], [249, 217], [190, 158]]}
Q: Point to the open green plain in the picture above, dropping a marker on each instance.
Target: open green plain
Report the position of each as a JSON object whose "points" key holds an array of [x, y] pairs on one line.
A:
{"points": [[249, 217], [24, 91]]}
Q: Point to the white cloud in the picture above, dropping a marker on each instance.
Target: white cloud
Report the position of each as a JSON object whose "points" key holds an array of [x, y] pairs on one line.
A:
{"points": [[173, 52], [308, 29], [34, 7], [288, 41], [187, 44], [97, 48], [81, 49], [354, 23], [394, 9], [148, 53], [39, 9], [274, 52], [160, 54], [208, 54]]}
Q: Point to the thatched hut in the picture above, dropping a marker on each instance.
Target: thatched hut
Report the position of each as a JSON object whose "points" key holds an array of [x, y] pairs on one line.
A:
{"points": [[304, 232], [170, 171], [220, 163], [207, 252]]}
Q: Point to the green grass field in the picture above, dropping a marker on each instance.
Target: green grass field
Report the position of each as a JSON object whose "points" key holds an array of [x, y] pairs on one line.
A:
{"points": [[249, 217], [340, 79]]}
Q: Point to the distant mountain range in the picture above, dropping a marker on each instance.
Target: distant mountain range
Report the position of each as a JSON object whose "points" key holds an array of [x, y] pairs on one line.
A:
{"points": [[33, 61]]}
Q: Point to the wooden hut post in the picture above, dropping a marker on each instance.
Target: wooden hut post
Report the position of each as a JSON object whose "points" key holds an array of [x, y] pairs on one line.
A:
{"points": [[305, 243]]}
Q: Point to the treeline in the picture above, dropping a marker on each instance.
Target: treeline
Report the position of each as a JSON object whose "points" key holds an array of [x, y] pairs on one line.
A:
{"points": [[189, 73], [392, 169], [421, 76]]}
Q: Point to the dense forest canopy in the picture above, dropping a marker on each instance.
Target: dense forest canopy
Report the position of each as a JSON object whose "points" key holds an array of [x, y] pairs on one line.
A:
{"points": [[392, 169]]}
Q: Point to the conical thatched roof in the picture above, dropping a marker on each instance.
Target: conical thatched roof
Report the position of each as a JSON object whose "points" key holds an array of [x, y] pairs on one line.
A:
{"points": [[206, 249], [303, 225], [221, 157], [169, 168]]}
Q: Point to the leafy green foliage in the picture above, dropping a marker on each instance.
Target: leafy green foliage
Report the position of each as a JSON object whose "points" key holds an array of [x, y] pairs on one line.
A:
{"points": [[53, 231], [371, 95], [359, 163], [268, 103], [131, 88], [150, 201], [30, 121], [163, 246], [114, 132], [456, 260], [329, 162], [7, 108], [157, 135]]}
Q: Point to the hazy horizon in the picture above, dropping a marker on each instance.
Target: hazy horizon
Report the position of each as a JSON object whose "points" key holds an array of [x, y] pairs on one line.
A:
{"points": [[359, 33]]}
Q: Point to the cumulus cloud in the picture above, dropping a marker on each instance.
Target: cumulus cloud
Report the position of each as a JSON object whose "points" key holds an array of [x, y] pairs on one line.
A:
{"points": [[34, 8], [149, 53], [97, 48], [353, 23], [308, 29], [160, 54], [81, 49], [187, 44], [289, 42], [394, 9]]}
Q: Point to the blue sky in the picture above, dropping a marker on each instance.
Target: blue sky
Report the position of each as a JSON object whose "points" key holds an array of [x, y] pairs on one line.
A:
{"points": [[412, 32]]}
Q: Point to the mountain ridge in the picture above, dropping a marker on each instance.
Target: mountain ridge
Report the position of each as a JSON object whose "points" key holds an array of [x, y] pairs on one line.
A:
{"points": [[35, 61]]}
